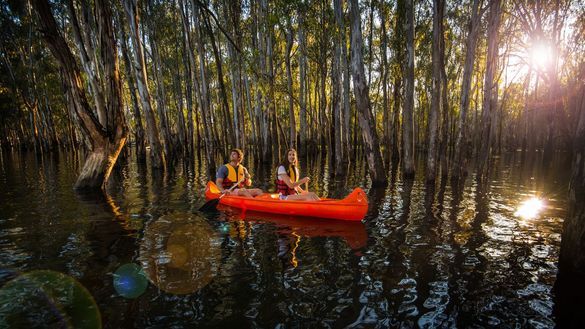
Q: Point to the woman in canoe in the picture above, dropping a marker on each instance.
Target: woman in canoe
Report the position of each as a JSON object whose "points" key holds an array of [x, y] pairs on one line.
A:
{"points": [[288, 184]]}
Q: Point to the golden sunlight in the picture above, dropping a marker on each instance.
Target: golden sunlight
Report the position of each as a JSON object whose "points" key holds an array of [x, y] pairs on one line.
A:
{"points": [[540, 55], [530, 209]]}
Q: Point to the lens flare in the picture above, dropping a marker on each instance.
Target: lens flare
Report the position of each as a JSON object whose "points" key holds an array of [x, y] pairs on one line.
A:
{"points": [[130, 281], [541, 55], [530, 209]]}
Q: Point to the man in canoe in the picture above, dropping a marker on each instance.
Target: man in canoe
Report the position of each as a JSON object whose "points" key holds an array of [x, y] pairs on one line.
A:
{"points": [[233, 172], [288, 184]]}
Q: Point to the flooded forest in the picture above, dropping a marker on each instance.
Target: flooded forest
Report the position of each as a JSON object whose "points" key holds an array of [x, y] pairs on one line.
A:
{"points": [[462, 123]]}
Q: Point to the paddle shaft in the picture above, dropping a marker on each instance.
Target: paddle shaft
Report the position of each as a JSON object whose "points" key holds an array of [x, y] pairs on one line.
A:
{"points": [[214, 202]]}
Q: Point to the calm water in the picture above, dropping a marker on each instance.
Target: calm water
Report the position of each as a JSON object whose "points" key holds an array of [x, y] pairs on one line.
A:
{"points": [[423, 256]]}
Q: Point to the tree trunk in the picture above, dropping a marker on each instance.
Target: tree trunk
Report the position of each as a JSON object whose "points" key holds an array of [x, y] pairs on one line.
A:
{"points": [[204, 92], [490, 96], [106, 140], [189, 63], [139, 68], [178, 86], [337, 90], [459, 160], [436, 102], [344, 67], [375, 163], [291, 110], [230, 126], [303, 92], [161, 99], [408, 109], [138, 128], [387, 122]]}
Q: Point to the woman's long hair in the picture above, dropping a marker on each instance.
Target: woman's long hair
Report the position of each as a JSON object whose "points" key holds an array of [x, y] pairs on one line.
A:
{"points": [[286, 163]]}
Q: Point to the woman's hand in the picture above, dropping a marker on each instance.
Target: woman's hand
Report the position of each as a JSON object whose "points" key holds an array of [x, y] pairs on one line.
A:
{"points": [[303, 181]]}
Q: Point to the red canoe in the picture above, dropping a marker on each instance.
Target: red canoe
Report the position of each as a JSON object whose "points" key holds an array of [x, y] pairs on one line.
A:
{"points": [[353, 207]]}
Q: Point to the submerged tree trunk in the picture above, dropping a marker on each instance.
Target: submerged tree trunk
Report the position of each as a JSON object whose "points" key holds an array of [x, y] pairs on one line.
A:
{"points": [[108, 139], [408, 108], [375, 163]]}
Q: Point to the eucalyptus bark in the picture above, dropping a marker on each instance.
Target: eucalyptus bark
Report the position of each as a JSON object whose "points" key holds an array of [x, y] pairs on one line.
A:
{"points": [[106, 140], [459, 160], [90, 67], [291, 110], [203, 90], [375, 163], [337, 90], [436, 102], [161, 99], [138, 128], [230, 131], [189, 62], [387, 123], [302, 82], [408, 108], [139, 69], [233, 18], [490, 95], [267, 64], [344, 67]]}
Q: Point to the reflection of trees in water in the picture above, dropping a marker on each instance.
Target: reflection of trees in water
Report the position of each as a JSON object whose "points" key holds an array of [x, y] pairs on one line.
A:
{"points": [[179, 254]]}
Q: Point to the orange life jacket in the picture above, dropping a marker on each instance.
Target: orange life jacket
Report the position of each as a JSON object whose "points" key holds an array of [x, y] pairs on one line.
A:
{"points": [[234, 176], [281, 186]]}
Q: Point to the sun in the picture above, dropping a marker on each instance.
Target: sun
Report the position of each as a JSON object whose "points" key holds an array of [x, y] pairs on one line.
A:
{"points": [[540, 55]]}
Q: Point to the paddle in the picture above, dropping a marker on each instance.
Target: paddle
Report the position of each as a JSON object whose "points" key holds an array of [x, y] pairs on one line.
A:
{"points": [[212, 204]]}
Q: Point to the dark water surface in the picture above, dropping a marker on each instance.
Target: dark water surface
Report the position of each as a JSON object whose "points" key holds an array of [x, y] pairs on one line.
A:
{"points": [[424, 256]]}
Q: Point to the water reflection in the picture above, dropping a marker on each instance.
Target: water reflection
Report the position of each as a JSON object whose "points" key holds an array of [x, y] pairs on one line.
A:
{"points": [[179, 253], [428, 256], [353, 233], [530, 209]]}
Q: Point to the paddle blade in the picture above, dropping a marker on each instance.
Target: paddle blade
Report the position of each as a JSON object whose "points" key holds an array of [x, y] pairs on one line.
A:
{"points": [[210, 205]]}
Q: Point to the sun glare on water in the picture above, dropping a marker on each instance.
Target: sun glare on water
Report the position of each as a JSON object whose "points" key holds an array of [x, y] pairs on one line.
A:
{"points": [[530, 208]]}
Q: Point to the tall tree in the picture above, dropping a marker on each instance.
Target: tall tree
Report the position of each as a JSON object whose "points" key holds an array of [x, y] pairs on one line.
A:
{"points": [[490, 95], [361, 90], [303, 92], [436, 102], [289, 85], [139, 68], [337, 90], [107, 139], [189, 64], [406, 10], [459, 162], [138, 127], [203, 88]]}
